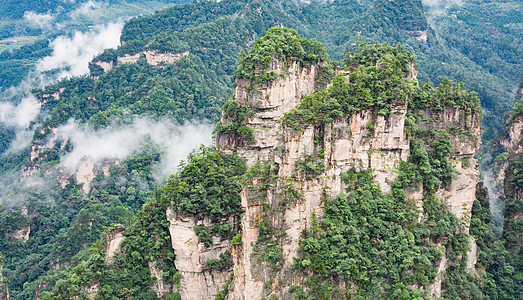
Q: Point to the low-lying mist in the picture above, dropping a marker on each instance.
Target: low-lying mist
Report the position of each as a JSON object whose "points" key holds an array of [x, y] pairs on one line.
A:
{"points": [[70, 57], [120, 141]]}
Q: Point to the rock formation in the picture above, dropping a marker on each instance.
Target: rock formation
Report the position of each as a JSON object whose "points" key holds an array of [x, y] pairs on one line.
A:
{"points": [[512, 185], [346, 143], [199, 281], [4, 291], [153, 58], [113, 239]]}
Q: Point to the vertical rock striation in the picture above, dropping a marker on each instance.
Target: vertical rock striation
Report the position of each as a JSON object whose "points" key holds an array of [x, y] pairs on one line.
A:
{"points": [[293, 171], [4, 291], [347, 143], [199, 281]]}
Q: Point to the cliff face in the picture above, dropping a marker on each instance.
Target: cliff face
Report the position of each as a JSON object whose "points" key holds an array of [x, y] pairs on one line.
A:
{"points": [[514, 145], [199, 281], [4, 292], [461, 194], [513, 185], [362, 141]]}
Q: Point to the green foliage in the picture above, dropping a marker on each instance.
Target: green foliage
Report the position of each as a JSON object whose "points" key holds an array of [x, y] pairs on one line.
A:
{"points": [[376, 244], [236, 240], [378, 80], [147, 242], [268, 247], [513, 225], [282, 44], [221, 295], [447, 95], [407, 15], [467, 36], [434, 168], [64, 222], [503, 278], [204, 235], [61, 223], [198, 84], [370, 240], [236, 124], [225, 262], [397, 59], [517, 111], [208, 184], [310, 166]]}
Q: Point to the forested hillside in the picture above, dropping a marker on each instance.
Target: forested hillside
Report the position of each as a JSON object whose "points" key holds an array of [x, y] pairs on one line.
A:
{"points": [[179, 65], [375, 242], [28, 27]]}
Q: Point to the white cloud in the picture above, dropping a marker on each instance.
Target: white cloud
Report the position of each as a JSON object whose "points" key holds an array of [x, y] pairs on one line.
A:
{"points": [[86, 9], [21, 115], [72, 55], [36, 20], [119, 142], [442, 3]]}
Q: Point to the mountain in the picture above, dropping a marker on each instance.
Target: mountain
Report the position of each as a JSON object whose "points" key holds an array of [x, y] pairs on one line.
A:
{"points": [[325, 182], [440, 34], [89, 190], [28, 29]]}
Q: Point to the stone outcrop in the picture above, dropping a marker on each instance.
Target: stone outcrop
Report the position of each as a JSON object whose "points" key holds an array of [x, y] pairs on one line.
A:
{"points": [[106, 66], [465, 143], [22, 234], [153, 57], [513, 192], [52, 97], [362, 141], [511, 141], [39, 150], [129, 58], [160, 287], [514, 144], [85, 174], [113, 239], [346, 143], [4, 291], [87, 170], [199, 281], [418, 35]]}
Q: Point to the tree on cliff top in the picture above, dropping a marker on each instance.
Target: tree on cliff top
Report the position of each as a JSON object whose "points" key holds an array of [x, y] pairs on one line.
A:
{"points": [[283, 44]]}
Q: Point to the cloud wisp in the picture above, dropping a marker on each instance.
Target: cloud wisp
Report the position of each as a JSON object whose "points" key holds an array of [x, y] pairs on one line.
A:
{"points": [[21, 115], [442, 3], [119, 142], [71, 55], [86, 9], [36, 20]]}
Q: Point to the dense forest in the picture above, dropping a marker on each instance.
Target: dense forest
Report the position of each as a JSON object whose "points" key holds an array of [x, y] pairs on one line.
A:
{"points": [[27, 27], [66, 244], [341, 246]]}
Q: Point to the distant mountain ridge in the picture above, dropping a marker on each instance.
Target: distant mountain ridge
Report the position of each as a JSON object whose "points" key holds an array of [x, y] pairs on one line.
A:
{"points": [[180, 65]]}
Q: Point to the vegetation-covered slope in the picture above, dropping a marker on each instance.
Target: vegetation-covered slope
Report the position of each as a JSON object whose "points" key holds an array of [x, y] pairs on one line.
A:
{"points": [[28, 27], [374, 242], [456, 38], [196, 86]]}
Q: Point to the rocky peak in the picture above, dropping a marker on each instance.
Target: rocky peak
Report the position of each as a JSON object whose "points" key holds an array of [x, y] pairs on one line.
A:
{"points": [[364, 140], [4, 292], [301, 127]]}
